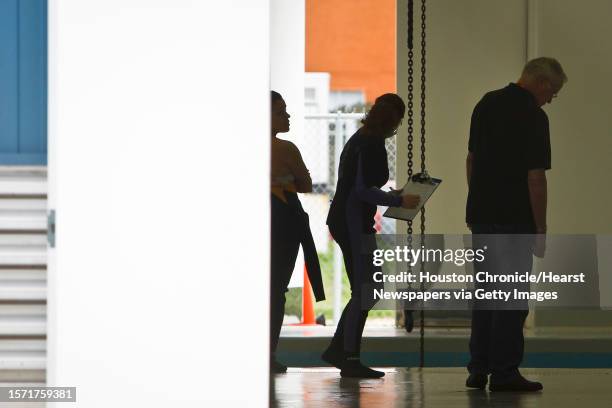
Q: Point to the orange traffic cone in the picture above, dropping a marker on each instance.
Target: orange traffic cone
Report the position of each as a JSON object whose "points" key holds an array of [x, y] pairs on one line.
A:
{"points": [[308, 313]]}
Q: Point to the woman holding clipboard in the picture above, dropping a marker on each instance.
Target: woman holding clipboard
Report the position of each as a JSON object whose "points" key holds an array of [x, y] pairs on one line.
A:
{"points": [[363, 170]]}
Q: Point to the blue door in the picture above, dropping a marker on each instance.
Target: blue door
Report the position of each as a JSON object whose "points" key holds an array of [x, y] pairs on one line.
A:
{"points": [[23, 82]]}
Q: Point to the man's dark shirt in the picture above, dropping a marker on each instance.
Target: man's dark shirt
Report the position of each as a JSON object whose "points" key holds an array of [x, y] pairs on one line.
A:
{"points": [[509, 136]]}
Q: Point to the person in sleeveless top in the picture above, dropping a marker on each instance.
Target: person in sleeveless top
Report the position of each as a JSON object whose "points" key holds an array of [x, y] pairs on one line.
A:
{"points": [[289, 223]]}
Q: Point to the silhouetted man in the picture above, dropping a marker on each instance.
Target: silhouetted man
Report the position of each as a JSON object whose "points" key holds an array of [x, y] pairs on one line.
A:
{"points": [[509, 152]]}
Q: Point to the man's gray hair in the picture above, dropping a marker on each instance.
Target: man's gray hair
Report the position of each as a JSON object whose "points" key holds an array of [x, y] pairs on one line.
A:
{"points": [[545, 68]]}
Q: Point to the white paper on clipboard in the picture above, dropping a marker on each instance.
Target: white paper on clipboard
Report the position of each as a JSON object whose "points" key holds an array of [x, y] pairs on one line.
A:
{"points": [[423, 188]]}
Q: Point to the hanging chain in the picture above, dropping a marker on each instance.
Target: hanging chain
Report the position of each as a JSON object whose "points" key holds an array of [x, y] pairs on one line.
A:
{"points": [[411, 137], [423, 67], [423, 46], [410, 38], [410, 96]]}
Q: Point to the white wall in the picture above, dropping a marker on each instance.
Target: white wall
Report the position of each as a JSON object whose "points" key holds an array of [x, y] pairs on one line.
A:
{"points": [[159, 132], [478, 45], [287, 60], [473, 46], [579, 34], [287, 64]]}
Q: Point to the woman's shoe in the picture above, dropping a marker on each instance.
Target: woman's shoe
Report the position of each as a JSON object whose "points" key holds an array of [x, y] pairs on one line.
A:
{"points": [[352, 368], [332, 357]]}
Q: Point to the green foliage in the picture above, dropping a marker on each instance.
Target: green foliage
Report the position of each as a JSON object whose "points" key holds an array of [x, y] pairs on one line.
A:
{"points": [[326, 259], [293, 305]]}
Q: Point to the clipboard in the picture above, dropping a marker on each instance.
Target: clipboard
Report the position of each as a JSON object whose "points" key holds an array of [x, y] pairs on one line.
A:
{"points": [[420, 184]]}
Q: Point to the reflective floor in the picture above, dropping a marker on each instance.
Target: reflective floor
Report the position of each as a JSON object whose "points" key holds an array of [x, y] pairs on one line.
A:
{"points": [[437, 387]]}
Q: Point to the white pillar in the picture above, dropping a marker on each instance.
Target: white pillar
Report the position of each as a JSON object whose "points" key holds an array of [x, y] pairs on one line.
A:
{"points": [[287, 59], [159, 137], [287, 64]]}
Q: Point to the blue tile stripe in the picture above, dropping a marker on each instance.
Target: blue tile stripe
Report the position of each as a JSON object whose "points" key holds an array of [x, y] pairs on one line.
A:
{"points": [[454, 359]]}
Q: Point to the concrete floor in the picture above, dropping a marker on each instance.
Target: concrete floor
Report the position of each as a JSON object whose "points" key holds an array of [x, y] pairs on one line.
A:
{"points": [[437, 387]]}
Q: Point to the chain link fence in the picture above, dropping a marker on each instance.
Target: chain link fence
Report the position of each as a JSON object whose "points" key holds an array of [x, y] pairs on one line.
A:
{"points": [[324, 138]]}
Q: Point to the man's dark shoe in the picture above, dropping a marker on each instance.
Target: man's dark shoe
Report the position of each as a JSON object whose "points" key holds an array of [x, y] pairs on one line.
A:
{"points": [[333, 357], [518, 384], [476, 381]]}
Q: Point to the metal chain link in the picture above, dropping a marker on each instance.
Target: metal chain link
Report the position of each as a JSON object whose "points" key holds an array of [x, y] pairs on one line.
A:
{"points": [[423, 67], [410, 97], [410, 43], [423, 46]]}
